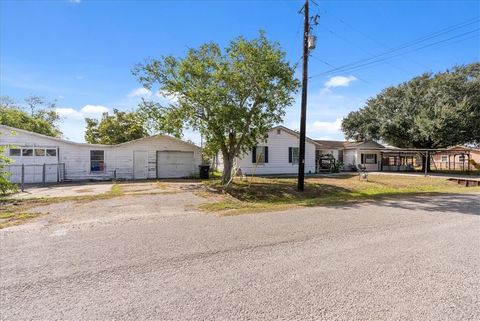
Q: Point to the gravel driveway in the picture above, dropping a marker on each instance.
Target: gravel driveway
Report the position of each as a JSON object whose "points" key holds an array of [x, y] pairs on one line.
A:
{"points": [[154, 257]]}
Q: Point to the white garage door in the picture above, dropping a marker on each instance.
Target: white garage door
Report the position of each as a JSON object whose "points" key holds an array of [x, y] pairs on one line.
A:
{"points": [[172, 164], [34, 160]]}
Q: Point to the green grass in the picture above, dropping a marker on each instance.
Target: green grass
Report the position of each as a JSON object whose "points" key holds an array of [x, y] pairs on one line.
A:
{"points": [[268, 194], [116, 190]]}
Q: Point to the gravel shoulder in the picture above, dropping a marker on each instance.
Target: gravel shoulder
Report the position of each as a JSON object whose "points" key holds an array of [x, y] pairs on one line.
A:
{"points": [[155, 257]]}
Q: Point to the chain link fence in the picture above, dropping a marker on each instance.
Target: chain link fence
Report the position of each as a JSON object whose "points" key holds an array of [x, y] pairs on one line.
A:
{"points": [[36, 173]]}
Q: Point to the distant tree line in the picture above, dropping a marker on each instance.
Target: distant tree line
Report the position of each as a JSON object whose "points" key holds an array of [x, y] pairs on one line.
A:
{"points": [[35, 114]]}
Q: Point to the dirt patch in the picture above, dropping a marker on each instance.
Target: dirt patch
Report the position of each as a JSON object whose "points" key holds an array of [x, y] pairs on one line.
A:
{"points": [[85, 190]]}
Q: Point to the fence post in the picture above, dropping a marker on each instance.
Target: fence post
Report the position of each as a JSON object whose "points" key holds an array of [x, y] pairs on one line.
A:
{"points": [[64, 174], [427, 155], [44, 167], [23, 177]]}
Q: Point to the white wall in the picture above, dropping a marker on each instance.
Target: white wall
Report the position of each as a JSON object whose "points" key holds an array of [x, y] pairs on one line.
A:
{"points": [[118, 158], [349, 158], [369, 167], [124, 154], [278, 145]]}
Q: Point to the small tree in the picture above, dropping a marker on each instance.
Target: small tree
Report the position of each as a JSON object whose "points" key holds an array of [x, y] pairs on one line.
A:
{"points": [[232, 97], [118, 128], [6, 186]]}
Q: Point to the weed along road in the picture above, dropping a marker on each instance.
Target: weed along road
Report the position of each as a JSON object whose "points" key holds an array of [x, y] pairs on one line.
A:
{"points": [[156, 257]]}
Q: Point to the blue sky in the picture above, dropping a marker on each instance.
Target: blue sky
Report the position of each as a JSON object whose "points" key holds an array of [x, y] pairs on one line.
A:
{"points": [[81, 53]]}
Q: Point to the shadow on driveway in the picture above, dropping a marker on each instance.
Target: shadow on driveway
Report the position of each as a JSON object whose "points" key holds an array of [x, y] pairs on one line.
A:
{"points": [[432, 202]]}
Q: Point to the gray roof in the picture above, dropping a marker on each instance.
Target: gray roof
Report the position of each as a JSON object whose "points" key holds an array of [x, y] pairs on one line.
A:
{"points": [[345, 144]]}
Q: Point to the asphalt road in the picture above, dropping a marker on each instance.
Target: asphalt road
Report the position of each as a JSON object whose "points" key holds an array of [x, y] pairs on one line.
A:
{"points": [[153, 257]]}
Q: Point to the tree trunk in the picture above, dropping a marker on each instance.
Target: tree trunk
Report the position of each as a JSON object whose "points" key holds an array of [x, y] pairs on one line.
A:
{"points": [[428, 164], [227, 168]]}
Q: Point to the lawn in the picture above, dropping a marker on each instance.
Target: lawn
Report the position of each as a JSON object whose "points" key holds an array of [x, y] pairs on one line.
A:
{"points": [[264, 194]]}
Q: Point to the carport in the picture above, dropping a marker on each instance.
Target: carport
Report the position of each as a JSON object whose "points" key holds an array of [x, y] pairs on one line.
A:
{"points": [[417, 159]]}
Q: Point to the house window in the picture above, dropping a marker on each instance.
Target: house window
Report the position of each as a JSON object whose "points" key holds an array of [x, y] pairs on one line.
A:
{"points": [[27, 152], [444, 158], [51, 152], [461, 158], [15, 152], [97, 161], [369, 158], [39, 152], [279, 131], [260, 154], [293, 155]]}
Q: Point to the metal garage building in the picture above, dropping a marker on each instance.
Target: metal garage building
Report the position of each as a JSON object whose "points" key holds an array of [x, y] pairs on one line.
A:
{"points": [[39, 158]]}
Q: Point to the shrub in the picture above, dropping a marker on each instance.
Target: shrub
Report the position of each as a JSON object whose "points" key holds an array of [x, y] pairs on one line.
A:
{"points": [[6, 187]]}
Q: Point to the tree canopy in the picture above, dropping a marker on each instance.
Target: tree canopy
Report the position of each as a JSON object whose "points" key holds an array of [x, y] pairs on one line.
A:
{"points": [[113, 129], [231, 96], [429, 111], [38, 116]]}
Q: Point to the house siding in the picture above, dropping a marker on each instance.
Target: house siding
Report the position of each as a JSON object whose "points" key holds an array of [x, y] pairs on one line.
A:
{"points": [[278, 145], [349, 159], [118, 158], [369, 167]]}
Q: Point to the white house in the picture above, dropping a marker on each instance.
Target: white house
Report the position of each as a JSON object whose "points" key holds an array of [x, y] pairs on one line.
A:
{"points": [[352, 154], [278, 154], [52, 159]]}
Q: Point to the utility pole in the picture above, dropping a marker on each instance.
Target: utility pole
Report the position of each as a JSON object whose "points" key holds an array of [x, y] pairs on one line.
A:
{"points": [[303, 117]]}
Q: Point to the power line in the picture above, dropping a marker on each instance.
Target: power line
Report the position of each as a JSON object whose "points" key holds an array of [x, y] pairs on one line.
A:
{"points": [[363, 62], [361, 48], [354, 67], [368, 36], [329, 64], [415, 42]]}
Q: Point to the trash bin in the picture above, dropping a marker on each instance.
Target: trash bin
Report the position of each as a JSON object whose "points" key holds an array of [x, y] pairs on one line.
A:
{"points": [[204, 171]]}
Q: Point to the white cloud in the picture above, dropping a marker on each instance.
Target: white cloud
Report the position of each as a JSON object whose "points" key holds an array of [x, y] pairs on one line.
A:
{"points": [[94, 109], [166, 98], [86, 111], [325, 127], [139, 92], [339, 81], [69, 113]]}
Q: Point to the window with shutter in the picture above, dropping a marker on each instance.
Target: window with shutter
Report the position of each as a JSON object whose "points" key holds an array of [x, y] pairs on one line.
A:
{"points": [[369, 158], [293, 155], [260, 155]]}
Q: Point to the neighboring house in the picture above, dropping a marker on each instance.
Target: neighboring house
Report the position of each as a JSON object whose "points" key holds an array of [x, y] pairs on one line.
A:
{"points": [[278, 154], [351, 154], [54, 159], [457, 158]]}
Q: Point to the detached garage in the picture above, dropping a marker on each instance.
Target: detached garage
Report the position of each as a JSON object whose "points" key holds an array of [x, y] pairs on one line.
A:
{"points": [[40, 158], [174, 163]]}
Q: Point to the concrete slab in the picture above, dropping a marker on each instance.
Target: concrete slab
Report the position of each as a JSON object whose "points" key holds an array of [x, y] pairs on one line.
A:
{"points": [[65, 190]]}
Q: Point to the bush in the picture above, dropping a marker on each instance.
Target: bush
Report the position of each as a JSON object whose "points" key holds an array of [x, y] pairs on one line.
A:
{"points": [[6, 187]]}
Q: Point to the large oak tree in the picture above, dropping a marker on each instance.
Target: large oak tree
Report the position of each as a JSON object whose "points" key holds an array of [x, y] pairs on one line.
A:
{"points": [[231, 96], [430, 111]]}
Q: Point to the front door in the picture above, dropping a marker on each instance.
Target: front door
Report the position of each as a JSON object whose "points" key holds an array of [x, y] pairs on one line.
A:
{"points": [[140, 165]]}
